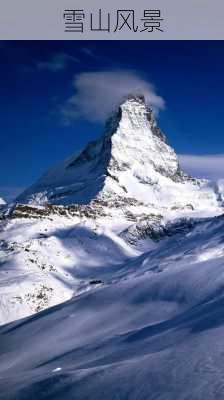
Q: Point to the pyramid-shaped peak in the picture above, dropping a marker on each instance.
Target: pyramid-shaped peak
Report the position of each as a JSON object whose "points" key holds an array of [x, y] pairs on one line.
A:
{"points": [[133, 112], [131, 155], [135, 117]]}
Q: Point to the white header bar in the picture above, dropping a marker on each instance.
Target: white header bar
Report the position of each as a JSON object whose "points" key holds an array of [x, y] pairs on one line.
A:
{"points": [[111, 20]]}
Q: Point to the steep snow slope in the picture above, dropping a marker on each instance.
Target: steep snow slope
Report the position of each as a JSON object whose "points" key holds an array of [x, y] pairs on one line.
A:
{"points": [[153, 330], [2, 202], [131, 161]]}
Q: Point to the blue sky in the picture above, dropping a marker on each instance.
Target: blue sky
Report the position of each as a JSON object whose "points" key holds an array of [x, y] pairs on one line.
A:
{"points": [[51, 105]]}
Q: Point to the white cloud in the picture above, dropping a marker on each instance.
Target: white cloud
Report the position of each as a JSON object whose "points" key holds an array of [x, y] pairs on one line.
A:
{"points": [[97, 93], [209, 166], [57, 63]]}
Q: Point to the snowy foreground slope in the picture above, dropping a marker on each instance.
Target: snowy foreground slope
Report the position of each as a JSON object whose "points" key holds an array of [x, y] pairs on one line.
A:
{"points": [[112, 275], [153, 330]]}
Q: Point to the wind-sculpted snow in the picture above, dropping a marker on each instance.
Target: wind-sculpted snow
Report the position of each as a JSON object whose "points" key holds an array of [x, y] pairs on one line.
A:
{"points": [[152, 329]]}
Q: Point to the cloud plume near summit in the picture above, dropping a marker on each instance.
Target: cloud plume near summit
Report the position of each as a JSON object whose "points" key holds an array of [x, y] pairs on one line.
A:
{"points": [[97, 93]]}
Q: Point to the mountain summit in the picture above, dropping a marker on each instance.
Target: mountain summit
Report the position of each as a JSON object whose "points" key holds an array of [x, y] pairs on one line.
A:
{"points": [[132, 160]]}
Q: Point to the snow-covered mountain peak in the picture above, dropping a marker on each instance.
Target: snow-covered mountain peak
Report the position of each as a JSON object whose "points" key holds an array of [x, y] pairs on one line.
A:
{"points": [[131, 164], [132, 143], [131, 137], [138, 144], [133, 114]]}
